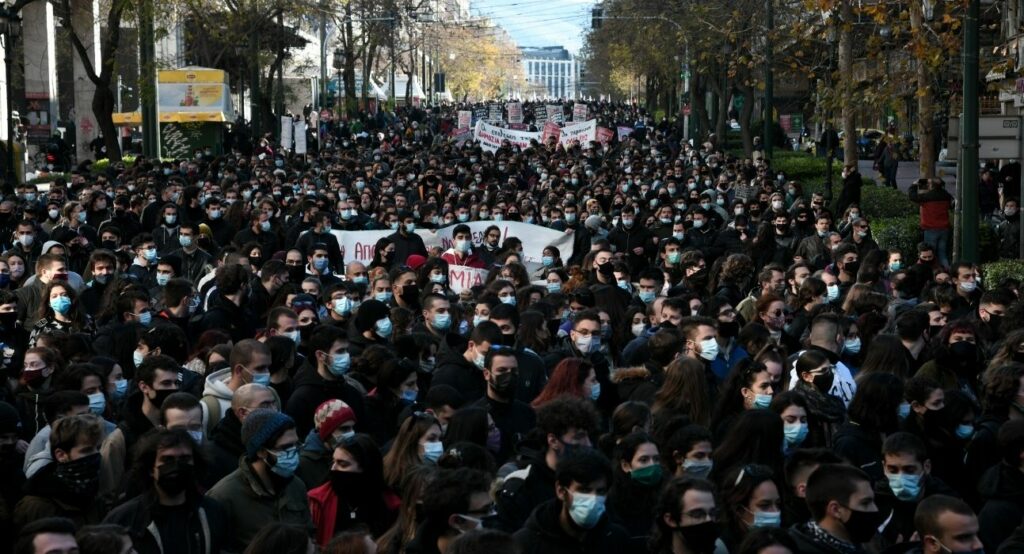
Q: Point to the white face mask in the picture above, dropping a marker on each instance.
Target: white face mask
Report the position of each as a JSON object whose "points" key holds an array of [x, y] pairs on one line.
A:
{"points": [[637, 329], [709, 349]]}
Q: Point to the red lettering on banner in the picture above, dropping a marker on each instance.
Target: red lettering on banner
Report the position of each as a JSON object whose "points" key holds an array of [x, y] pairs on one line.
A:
{"points": [[364, 251]]}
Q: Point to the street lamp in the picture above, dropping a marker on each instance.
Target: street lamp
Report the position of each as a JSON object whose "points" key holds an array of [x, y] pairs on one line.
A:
{"points": [[11, 28], [338, 63]]}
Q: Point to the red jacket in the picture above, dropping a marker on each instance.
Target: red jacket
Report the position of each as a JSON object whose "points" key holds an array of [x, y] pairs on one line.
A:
{"points": [[935, 205], [323, 509]]}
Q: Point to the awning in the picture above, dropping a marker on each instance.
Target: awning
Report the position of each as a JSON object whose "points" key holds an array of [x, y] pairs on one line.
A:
{"points": [[128, 119]]}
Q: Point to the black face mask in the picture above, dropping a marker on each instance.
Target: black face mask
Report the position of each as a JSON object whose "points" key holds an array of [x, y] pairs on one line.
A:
{"points": [[851, 267], [964, 351], [108, 245], [8, 321], [80, 477], [606, 269], [352, 486], [176, 478], [505, 384], [162, 395], [824, 382], [728, 329], [296, 273], [995, 322], [410, 294], [1018, 357], [508, 339], [700, 538], [862, 526]]}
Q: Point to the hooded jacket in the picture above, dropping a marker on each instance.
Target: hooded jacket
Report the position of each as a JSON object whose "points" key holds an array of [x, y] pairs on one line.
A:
{"points": [[216, 401], [543, 534], [1002, 488], [454, 370], [522, 491], [635, 383]]}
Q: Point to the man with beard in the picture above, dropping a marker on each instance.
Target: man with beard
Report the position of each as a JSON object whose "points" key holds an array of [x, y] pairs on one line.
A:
{"points": [[67, 486], [170, 515], [264, 489]]}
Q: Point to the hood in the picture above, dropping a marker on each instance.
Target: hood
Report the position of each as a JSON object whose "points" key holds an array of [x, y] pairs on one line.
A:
{"points": [[217, 385], [228, 434], [626, 374], [1002, 482]]}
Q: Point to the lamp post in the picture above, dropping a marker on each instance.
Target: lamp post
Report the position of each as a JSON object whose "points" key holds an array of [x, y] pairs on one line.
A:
{"points": [[11, 28], [769, 79], [338, 63], [829, 147], [968, 205]]}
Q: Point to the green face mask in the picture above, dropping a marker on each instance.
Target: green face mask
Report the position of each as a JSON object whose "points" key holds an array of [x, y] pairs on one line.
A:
{"points": [[648, 475]]}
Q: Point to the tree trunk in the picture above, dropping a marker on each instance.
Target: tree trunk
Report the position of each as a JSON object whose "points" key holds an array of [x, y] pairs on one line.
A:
{"points": [[103, 103], [846, 81], [925, 98], [746, 112], [698, 88]]}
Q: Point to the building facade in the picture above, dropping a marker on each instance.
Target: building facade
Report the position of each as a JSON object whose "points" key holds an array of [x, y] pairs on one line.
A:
{"points": [[554, 68]]}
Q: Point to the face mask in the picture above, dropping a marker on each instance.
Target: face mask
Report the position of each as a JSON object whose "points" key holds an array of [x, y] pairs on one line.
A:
{"points": [[80, 477], [964, 351], [463, 218], [61, 305], [833, 292], [698, 468], [674, 257], [595, 391], [265, 226], [26, 240], [777, 205], [504, 384], [286, 462], [120, 388], [320, 264], [862, 526], [432, 451], [586, 509], [462, 245], [623, 284], [637, 329], [795, 433], [442, 321], [427, 365], [184, 241], [409, 395], [548, 261], [968, 286], [627, 223], [698, 223], [762, 401], [150, 255], [383, 328], [343, 306], [146, 318], [648, 475], [97, 403], [647, 296], [852, 346], [964, 431], [700, 537], [340, 364], [162, 279], [587, 345], [138, 357], [53, 214], [260, 378], [384, 297], [904, 410], [709, 349], [767, 519], [295, 335], [906, 487]]}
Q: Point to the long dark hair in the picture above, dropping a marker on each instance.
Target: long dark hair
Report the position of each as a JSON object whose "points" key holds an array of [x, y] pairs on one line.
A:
{"points": [[755, 438]]}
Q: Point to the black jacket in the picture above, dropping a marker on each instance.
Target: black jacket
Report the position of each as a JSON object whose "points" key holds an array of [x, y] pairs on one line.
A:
{"points": [[145, 519], [862, 447], [901, 524], [543, 534], [522, 491], [454, 370], [223, 448], [310, 390], [806, 543], [1002, 489], [406, 245], [226, 316], [514, 419]]}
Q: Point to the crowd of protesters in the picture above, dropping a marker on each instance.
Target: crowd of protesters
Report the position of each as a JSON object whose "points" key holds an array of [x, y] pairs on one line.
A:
{"points": [[721, 364]]}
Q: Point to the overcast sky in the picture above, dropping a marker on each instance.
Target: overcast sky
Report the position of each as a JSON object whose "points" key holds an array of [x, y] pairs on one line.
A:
{"points": [[539, 22]]}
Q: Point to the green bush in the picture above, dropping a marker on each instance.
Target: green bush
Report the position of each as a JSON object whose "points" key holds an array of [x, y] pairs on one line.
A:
{"points": [[884, 202], [49, 178], [995, 272], [902, 233], [101, 165]]}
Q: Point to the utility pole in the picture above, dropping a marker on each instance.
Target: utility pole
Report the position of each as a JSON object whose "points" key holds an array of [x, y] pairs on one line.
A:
{"points": [[279, 91], [769, 79], [968, 206], [323, 55], [394, 29]]}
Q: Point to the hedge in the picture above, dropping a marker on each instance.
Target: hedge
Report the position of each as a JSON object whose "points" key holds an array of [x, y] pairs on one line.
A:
{"points": [[49, 178], [902, 233], [101, 165], [995, 272]]}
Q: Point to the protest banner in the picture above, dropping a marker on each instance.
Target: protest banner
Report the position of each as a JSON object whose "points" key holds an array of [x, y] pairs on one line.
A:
{"points": [[465, 121], [584, 132], [515, 112], [479, 114], [540, 117], [359, 245], [555, 113], [286, 132], [604, 135], [494, 114], [551, 129], [491, 136], [300, 137], [624, 132], [579, 112], [461, 277]]}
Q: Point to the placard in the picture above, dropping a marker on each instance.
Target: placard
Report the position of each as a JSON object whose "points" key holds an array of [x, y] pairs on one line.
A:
{"points": [[555, 113], [286, 132], [300, 137], [515, 112], [579, 112]]}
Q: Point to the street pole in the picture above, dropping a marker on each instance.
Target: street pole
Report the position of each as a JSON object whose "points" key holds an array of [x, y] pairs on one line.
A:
{"points": [[769, 78], [279, 91], [147, 68], [323, 56], [968, 207], [10, 177], [394, 29], [254, 84]]}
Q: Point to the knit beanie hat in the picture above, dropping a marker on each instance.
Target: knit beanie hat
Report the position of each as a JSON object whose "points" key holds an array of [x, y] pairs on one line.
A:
{"points": [[262, 428], [329, 416], [369, 313]]}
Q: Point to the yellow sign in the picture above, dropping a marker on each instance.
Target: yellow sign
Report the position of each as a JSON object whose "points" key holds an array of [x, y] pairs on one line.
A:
{"points": [[184, 117], [192, 76]]}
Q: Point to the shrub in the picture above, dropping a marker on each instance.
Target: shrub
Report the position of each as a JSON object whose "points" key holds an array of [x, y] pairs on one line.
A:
{"points": [[902, 233], [49, 178], [995, 272]]}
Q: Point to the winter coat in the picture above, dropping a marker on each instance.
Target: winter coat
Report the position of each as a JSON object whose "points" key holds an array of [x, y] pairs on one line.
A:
{"points": [[376, 512], [46, 496], [223, 448], [901, 523], [1002, 489], [206, 529], [249, 506], [514, 419], [807, 543], [522, 491], [861, 446], [454, 370], [117, 447], [543, 534], [310, 389], [635, 383]]}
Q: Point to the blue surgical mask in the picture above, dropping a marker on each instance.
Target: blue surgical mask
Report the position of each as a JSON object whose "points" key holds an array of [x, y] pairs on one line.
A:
{"points": [[795, 433], [137, 358], [554, 287], [904, 410], [623, 284], [120, 388], [698, 468], [588, 345], [162, 279], [184, 241], [767, 519], [383, 296], [409, 395], [97, 403], [595, 391], [904, 486], [439, 278], [442, 321], [61, 305], [150, 255], [647, 296], [260, 378], [383, 327], [320, 264], [586, 509], [360, 279], [286, 462], [343, 306], [548, 261], [510, 300], [146, 319], [964, 431], [340, 364], [432, 451], [852, 346], [762, 401]]}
